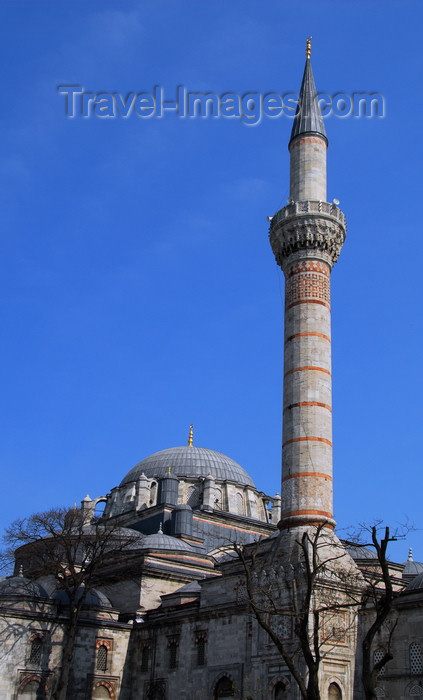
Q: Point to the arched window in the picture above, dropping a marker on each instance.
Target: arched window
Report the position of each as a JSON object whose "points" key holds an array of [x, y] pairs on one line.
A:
{"points": [[193, 496], [224, 689], [173, 653], [153, 493], [36, 651], [218, 500], [239, 503], [334, 692], [101, 664], [32, 691], [145, 658], [201, 651], [415, 658], [156, 691], [279, 691]]}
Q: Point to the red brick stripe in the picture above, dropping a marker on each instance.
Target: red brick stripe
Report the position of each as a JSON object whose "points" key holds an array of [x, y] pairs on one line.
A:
{"points": [[302, 439], [308, 301], [307, 403], [302, 335], [320, 475], [307, 512], [300, 369]]}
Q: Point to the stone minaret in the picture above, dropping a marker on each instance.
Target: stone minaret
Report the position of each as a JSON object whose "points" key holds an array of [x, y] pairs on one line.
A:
{"points": [[306, 237]]}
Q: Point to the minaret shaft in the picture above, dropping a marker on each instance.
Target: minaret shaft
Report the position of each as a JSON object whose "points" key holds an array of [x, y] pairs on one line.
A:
{"points": [[306, 237], [308, 168], [307, 403]]}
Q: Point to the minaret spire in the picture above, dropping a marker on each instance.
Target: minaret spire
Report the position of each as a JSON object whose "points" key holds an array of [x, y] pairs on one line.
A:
{"points": [[308, 117], [306, 237]]}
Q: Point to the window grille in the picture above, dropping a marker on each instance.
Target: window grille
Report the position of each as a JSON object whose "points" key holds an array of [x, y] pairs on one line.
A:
{"points": [[218, 500], [281, 625], [35, 652], [378, 656], [415, 658], [416, 690], [102, 658], [193, 496]]}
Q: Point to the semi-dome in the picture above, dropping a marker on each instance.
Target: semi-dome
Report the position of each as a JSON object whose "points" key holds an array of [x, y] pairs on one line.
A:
{"points": [[94, 598], [191, 462]]}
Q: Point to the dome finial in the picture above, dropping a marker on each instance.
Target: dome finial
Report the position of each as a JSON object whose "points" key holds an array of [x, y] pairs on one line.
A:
{"points": [[21, 571], [410, 554], [191, 436], [308, 47]]}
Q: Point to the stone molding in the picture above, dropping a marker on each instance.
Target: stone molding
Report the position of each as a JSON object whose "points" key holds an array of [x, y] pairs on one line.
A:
{"points": [[317, 227]]}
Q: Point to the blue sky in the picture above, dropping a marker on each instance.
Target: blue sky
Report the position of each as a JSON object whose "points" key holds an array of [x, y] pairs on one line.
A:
{"points": [[139, 292]]}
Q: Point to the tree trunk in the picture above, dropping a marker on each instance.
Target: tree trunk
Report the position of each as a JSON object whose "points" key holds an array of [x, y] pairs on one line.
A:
{"points": [[61, 690], [313, 691]]}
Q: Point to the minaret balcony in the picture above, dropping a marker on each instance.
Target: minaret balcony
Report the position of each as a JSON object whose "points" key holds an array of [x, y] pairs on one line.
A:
{"points": [[308, 225], [308, 207]]}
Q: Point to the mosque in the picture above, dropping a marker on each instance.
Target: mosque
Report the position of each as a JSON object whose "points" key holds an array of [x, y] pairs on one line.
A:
{"points": [[179, 625]]}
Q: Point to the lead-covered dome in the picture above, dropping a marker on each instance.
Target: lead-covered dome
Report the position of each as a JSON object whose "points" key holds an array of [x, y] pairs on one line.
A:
{"points": [[191, 462], [22, 587]]}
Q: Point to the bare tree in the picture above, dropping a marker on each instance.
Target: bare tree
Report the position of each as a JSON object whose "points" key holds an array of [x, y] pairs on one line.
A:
{"points": [[315, 585], [378, 600], [61, 543]]}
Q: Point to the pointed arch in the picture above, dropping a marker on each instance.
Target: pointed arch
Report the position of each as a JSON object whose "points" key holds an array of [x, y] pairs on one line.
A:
{"points": [[224, 687]]}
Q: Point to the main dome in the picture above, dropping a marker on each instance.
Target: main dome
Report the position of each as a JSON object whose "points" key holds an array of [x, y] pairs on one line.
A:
{"points": [[191, 462]]}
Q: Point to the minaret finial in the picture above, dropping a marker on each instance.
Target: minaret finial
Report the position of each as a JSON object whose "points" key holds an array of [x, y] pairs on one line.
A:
{"points": [[191, 436], [308, 47]]}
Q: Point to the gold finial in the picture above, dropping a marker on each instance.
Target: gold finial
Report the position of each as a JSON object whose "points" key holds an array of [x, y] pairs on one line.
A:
{"points": [[168, 470], [191, 435], [308, 47]]}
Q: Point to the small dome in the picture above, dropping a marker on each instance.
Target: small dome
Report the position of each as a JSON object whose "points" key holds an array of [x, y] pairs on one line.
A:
{"points": [[22, 587], [94, 598], [411, 568], [191, 462], [161, 541], [357, 552]]}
